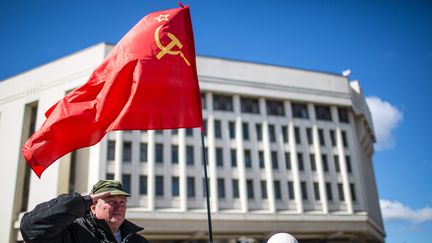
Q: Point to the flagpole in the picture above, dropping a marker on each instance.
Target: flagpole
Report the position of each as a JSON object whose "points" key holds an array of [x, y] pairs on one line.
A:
{"points": [[206, 186]]}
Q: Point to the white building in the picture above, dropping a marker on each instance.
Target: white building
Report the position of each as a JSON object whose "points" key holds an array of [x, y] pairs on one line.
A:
{"points": [[289, 150]]}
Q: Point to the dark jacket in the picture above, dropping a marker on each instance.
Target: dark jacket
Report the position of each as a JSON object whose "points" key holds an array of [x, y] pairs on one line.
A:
{"points": [[67, 219]]}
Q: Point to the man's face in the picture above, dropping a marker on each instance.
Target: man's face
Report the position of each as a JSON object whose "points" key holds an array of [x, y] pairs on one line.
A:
{"points": [[111, 209]]}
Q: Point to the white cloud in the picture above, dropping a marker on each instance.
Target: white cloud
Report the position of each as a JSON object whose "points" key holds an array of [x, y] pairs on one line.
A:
{"points": [[386, 118], [394, 210]]}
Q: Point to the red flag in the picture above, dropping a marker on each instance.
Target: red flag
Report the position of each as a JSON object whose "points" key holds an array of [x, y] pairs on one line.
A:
{"points": [[148, 81]]}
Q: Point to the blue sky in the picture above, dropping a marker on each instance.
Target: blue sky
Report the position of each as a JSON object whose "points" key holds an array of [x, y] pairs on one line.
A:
{"points": [[386, 44]]}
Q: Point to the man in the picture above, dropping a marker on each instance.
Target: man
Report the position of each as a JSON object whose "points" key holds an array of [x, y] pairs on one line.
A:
{"points": [[70, 218]]}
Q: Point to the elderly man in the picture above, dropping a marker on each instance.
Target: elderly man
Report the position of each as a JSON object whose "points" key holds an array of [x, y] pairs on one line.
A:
{"points": [[98, 217]]}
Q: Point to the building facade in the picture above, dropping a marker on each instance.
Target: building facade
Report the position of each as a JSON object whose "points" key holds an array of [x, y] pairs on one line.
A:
{"points": [[288, 150]]}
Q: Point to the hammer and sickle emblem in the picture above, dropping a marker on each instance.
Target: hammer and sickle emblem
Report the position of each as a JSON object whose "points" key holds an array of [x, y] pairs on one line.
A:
{"points": [[167, 49]]}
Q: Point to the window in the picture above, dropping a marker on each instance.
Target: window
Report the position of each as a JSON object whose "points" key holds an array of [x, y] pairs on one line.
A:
{"points": [[219, 157], [174, 131], [309, 136], [248, 159], [312, 161], [159, 132], [321, 137], [245, 131], [205, 156], [263, 189], [297, 135], [203, 101], [190, 155], [323, 113], [272, 134], [336, 161], [285, 134], [300, 111], [288, 161], [332, 138], [191, 187], [205, 127], [189, 132], [329, 191], [143, 152], [231, 126], [110, 176], [344, 139], [341, 192], [126, 181], [159, 153], [348, 163], [316, 191], [205, 186], [249, 105], [324, 162], [174, 154], [261, 159], [275, 164], [300, 161], [343, 115], [111, 150], [222, 103], [235, 188], [290, 190], [221, 187], [175, 189], [233, 153], [277, 188], [353, 194], [250, 189], [304, 190], [127, 151], [159, 186], [217, 129], [258, 129], [143, 185], [275, 108]]}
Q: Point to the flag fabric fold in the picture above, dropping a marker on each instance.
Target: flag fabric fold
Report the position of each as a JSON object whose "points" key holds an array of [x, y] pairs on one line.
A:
{"points": [[147, 82]]}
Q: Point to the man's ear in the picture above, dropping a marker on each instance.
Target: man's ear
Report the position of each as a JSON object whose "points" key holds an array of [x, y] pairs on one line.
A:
{"points": [[93, 208]]}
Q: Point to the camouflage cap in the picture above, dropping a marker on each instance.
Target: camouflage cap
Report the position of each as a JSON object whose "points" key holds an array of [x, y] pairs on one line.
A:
{"points": [[113, 186]]}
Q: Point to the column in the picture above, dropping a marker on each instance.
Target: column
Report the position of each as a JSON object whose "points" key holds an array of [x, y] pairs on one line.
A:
{"points": [[182, 167], [211, 154], [118, 155], [240, 156], [151, 170]]}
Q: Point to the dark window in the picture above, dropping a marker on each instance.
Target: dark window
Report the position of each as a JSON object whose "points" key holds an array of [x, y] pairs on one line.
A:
{"points": [[288, 161], [297, 135], [341, 192], [344, 139], [219, 157], [222, 103], [300, 161], [159, 153], [250, 189], [217, 129], [304, 190], [174, 131], [126, 181], [348, 163], [332, 138], [127, 151], [353, 194], [143, 152], [175, 188], [190, 155], [274, 158], [221, 188], [205, 187], [343, 115], [205, 127], [316, 191], [233, 157], [285, 134], [312, 161], [191, 186], [231, 126], [336, 161], [261, 159], [205, 157], [323, 113], [235, 188], [321, 137], [290, 190], [248, 159], [159, 186], [143, 185], [174, 154], [111, 150], [300, 111], [203, 101], [110, 176], [249, 105], [258, 129], [275, 108], [189, 132], [277, 188], [329, 191], [309, 135], [263, 189], [272, 134], [245, 131], [324, 162]]}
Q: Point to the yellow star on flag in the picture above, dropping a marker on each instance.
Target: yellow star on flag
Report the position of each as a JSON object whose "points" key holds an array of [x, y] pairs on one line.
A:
{"points": [[162, 17]]}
